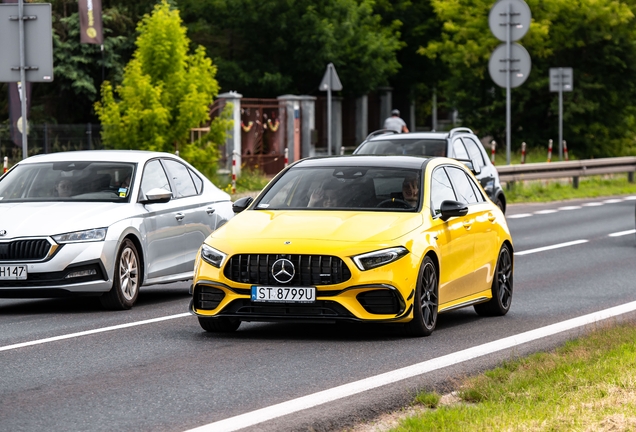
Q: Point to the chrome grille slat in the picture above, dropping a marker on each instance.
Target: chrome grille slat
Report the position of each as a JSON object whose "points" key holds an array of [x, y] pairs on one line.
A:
{"points": [[24, 250], [310, 270]]}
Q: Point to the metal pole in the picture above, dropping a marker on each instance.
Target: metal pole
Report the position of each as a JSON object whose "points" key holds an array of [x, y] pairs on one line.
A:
{"points": [[434, 109], [508, 76], [23, 93], [560, 113], [329, 110]]}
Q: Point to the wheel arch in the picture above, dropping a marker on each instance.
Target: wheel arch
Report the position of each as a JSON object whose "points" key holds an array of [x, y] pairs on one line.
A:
{"points": [[140, 253]]}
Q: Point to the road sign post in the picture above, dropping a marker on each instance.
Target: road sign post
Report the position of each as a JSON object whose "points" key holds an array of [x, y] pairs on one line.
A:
{"points": [[330, 81], [561, 79], [509, 64], [26, 51]]}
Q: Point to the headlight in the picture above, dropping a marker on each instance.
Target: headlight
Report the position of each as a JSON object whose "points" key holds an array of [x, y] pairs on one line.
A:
{"points": [[212, 256], [98, 234], [379, 258]]}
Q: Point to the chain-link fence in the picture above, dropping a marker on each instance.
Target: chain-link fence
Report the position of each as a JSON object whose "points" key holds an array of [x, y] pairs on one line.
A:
{"points": [[49, 138]]}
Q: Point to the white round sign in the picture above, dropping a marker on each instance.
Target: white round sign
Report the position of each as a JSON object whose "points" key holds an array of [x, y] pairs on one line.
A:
{"points": [[19, 125], [509, 13], [519, 68]]}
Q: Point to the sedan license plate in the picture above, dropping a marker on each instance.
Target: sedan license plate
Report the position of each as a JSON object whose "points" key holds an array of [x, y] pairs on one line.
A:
{"points": [[8, 272], [283, 294]]}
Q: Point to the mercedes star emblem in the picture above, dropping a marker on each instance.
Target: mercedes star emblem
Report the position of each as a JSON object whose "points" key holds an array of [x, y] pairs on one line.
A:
{"points": [[283, 270]]}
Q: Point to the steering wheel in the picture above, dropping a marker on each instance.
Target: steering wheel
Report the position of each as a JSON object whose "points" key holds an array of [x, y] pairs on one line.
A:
{"points": [[394, 202]]}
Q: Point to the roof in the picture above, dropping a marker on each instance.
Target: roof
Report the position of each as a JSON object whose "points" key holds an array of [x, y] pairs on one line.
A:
{"points": [[134, 156], [388, 161], [421, 135]]}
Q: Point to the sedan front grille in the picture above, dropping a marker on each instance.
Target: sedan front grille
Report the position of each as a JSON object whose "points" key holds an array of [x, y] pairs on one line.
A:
{"points": [[309, 270], [24, 250]]}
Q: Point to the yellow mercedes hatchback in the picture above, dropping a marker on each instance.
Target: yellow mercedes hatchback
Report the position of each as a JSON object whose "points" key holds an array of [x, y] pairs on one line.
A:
{"points": [[389, 239]]}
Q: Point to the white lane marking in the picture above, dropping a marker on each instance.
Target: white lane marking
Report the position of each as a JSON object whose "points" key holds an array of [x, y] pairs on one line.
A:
{"points": [[613, 201], [519, 216], [330, 395], [570, 208], [547, 211], [556, 246], [622, 233], [593, 204], [94, 331], [630, 198]]}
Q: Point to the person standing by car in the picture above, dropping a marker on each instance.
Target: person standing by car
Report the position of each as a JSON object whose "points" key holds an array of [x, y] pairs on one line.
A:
{"points": [[395, 123]]}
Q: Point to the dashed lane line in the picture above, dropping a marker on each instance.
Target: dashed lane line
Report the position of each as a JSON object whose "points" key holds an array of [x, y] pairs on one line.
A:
{"points": [[555, 246]]}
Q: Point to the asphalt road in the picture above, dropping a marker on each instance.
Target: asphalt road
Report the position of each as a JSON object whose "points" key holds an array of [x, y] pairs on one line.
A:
{"points": [[66, 365]]}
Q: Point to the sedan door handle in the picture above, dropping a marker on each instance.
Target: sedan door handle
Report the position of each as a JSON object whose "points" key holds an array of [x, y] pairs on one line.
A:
{"points": [[179, 217], [468, 224], [209, 210], [491, 217]]}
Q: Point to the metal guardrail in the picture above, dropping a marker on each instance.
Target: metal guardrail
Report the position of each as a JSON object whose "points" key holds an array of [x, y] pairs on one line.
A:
{"points": [[570, 169]]}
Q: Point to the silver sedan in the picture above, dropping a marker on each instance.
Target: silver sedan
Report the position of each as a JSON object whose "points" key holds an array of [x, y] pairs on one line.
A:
{"points": [[103, 222]]}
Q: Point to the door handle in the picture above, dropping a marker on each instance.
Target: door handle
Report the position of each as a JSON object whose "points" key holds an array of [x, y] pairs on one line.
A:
{"points": [[179, 217], [209, 210], [467, 224], [491, 217]]}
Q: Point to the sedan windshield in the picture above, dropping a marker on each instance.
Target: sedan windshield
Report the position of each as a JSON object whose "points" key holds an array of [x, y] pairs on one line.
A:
{"points": [[68, 181], [345, 188], [421, 147]]}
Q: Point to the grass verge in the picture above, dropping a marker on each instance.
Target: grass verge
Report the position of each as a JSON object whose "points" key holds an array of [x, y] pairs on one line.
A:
{"points": [[587, 385]]}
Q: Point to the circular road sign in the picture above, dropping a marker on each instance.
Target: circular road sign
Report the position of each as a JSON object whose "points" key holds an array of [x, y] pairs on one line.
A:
{"points": [[519, 69], [519, 19]]}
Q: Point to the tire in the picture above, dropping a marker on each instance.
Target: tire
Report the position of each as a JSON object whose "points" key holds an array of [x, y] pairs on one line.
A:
{"points": [[425, 303], [125, 290], [501, 289], [499, 203], [219, 325]]}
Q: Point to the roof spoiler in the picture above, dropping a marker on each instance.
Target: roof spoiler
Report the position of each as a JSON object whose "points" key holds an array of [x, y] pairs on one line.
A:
{"points": [[459, 130], [380, 132]]}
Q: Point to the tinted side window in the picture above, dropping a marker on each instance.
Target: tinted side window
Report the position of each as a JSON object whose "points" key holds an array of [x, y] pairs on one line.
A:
{"points": [[154, 177], [473, 151], [459, 150], [463, 189], [181, 179], [198, 183], [441, 190]]}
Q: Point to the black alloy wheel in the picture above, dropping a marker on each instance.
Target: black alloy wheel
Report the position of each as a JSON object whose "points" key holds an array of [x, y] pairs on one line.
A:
{"points": [[219, 325], [502, 283], [425, 303]]}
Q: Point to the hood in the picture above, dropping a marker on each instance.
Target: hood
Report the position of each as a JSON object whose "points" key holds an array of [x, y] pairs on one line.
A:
{"points": [[319, 225], [50, 218]]}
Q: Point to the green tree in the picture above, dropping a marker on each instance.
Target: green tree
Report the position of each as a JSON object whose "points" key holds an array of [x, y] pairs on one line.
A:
{"points": [[165, 92], [594, 37], [265, 49]]}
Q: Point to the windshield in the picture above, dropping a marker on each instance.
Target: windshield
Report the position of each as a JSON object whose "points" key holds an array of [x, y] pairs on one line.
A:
{"points": [[68, 181], [345, 188], [421, 147]]}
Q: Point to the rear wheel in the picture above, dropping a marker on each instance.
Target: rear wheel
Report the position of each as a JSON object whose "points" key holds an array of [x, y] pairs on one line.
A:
{"points": [[125, 290], [425, 303], [501, 289], [219, 325]]}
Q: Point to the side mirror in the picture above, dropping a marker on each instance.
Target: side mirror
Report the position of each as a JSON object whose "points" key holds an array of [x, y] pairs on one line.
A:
{"points": [[451, 209], [241, 204], [157, 195]]}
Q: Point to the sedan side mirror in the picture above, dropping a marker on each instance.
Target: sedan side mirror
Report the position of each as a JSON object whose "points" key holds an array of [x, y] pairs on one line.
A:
{"points": [[157, 195], [241, 204], [450, 208]]}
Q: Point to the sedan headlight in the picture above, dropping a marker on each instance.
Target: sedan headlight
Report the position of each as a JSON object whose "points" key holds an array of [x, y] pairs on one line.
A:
{"points": [[379, 258], [212, 256], [92, 235]]}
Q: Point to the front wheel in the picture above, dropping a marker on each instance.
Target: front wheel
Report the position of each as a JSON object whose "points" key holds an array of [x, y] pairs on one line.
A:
{"points": [[425, 303], [501, 289], [125, 290]]}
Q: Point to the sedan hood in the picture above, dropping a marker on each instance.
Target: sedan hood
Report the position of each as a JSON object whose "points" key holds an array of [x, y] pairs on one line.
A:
{"points": [[50, 218], [319, 225]]}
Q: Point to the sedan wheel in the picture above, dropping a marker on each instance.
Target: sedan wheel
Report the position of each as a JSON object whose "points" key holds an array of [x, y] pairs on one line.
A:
{"points": [[125, 288], [426, 302], [501, 289]]}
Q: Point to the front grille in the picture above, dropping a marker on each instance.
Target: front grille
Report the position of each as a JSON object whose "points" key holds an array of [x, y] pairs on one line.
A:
{"points": [[310, 270], [24, 250], [382, 302]]}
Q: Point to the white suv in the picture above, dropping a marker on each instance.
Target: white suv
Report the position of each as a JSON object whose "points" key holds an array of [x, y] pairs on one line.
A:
{"points": [[459, 143]]}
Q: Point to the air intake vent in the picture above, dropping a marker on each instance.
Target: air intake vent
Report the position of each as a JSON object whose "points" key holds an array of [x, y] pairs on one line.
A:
{"points": [[382, 302], [309, 270], [24, 250]]}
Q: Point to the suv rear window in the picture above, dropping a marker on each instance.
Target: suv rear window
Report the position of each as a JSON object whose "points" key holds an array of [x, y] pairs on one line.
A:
{"points": [[422, 147]]}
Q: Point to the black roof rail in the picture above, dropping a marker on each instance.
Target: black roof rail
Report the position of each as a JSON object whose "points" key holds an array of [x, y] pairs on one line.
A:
{"points": [[459, 130], [380, 132]]}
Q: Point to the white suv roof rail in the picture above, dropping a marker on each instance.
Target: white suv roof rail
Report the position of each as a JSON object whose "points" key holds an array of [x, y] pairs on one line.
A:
{"points": [[459, 130]]}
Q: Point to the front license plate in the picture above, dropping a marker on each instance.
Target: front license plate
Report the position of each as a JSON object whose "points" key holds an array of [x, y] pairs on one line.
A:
{"points": [[8, 272], [283, 294]]}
